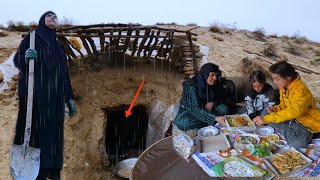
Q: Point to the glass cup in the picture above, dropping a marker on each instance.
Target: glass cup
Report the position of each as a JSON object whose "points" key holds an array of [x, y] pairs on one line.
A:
{"points": [[244, 148]]}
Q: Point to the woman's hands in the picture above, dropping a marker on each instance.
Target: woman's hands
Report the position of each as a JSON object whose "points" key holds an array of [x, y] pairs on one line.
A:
{"points": [[72, 108], [270, 109], [30, 54], [259, 121], [220, 119]]}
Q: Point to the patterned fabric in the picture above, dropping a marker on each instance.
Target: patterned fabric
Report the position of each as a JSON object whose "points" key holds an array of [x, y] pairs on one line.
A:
{"points": [[191, 115]]}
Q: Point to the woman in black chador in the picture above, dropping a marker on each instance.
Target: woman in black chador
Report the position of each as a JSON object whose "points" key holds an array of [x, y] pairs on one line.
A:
{"points": [[52, 89]]}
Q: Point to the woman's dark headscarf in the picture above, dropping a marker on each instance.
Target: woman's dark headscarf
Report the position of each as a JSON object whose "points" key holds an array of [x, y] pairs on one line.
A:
{"points": [[206, 92], [52, 52]]}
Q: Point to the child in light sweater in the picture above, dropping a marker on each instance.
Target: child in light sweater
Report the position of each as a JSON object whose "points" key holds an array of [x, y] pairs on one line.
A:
{"points": [[260, 95]]}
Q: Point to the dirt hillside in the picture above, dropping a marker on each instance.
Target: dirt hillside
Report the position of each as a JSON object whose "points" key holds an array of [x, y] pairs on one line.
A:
{"points": [[98, 86]]}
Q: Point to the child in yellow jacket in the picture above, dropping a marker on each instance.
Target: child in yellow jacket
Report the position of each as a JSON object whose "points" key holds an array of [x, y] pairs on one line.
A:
{"points": [[297, 116]]}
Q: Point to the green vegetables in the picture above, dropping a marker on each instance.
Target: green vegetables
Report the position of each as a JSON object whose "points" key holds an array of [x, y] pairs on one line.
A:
{"points": [[263, 149]]}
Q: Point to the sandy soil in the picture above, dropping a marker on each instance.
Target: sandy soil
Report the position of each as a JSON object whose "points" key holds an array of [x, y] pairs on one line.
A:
{"points": [[98, 85]]}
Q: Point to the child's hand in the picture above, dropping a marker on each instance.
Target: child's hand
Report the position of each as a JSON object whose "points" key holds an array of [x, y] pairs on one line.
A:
{"points": [[259, 121], [270, 109], [220, 119]]}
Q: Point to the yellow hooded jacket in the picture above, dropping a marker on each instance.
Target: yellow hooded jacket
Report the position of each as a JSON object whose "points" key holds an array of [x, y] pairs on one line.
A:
{"points": [[297, 103]]}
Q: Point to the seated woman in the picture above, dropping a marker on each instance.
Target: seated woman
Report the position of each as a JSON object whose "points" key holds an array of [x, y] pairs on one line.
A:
{"points": [[297, 116], [260, 95], [201, 102]]}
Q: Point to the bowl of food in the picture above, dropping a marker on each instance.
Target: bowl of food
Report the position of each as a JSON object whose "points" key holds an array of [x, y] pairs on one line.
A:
{"points": [[124, 168], [254, 139], [273, 137], [280, 143], [264, 131], [208, 131]]}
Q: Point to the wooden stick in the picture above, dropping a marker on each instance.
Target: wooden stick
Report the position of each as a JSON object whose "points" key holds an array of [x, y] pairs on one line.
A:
{"points": [[154, 44], [67, 47], [111, 35], [117, 41], [102, 39], [129, 32], [111, 41], [176, 30], [96, 25], [160, 51], [146, 33], [123, 26], [135, 43], [74, 47], [93, 46], [195, 64], [85, 45], [149, 44], [171, 44]]}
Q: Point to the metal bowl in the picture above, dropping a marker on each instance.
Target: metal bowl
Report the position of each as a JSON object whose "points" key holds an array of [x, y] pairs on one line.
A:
{"points": [[124, 168]]}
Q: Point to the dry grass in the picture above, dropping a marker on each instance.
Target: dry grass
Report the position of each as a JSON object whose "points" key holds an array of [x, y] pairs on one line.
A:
{"points": [[215, 28], [292, 49], [3, 33], [65, 22], [273, 35], [285, 37], [250, 65], [167, 24], [259, 34], [219, 38], [315, 62], [2, 27], [270, 51], [301, 40], [317, 53], [19, 26], [11, 25], [192, 24], [33, 25], [310, 48]]}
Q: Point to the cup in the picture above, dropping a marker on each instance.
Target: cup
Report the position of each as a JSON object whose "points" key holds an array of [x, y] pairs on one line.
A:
{"points": [[244, 148]]}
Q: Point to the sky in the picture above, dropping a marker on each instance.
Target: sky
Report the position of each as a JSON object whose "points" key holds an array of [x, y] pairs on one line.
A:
{"points": [[282, 17]]}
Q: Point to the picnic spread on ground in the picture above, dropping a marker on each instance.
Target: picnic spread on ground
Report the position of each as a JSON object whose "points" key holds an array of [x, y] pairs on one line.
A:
{"points": [[252, 152]]}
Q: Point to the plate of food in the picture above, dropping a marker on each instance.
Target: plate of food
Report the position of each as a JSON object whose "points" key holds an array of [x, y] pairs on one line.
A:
{"points": [[263, 149], [208, 132], [273, 137], [183, 145], [288, 161], [240, 121], [264, 131], [234, 166], [254, 139]]}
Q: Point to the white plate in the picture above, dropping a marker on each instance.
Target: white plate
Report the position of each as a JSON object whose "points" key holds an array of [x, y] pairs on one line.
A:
{"points": [[209, 129], [264, 131]]}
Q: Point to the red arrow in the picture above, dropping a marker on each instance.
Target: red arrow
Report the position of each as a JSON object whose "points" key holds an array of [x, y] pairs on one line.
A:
{"points": [[128, 112]]}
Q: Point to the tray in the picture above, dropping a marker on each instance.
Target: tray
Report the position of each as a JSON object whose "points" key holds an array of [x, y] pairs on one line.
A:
{"points": [[268, 163], [213, 143], [237, 167], [230, 127]]}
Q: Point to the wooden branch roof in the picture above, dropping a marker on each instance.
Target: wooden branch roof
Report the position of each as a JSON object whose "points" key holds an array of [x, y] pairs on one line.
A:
{"points": [[133, 39]]}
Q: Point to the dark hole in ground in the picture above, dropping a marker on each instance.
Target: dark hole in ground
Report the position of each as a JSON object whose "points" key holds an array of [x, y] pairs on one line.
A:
{"points": [[125, 137]]}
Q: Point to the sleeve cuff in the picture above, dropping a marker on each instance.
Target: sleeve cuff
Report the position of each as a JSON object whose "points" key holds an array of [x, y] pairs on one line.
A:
{"points": [[267, 119], [212, 117]]}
